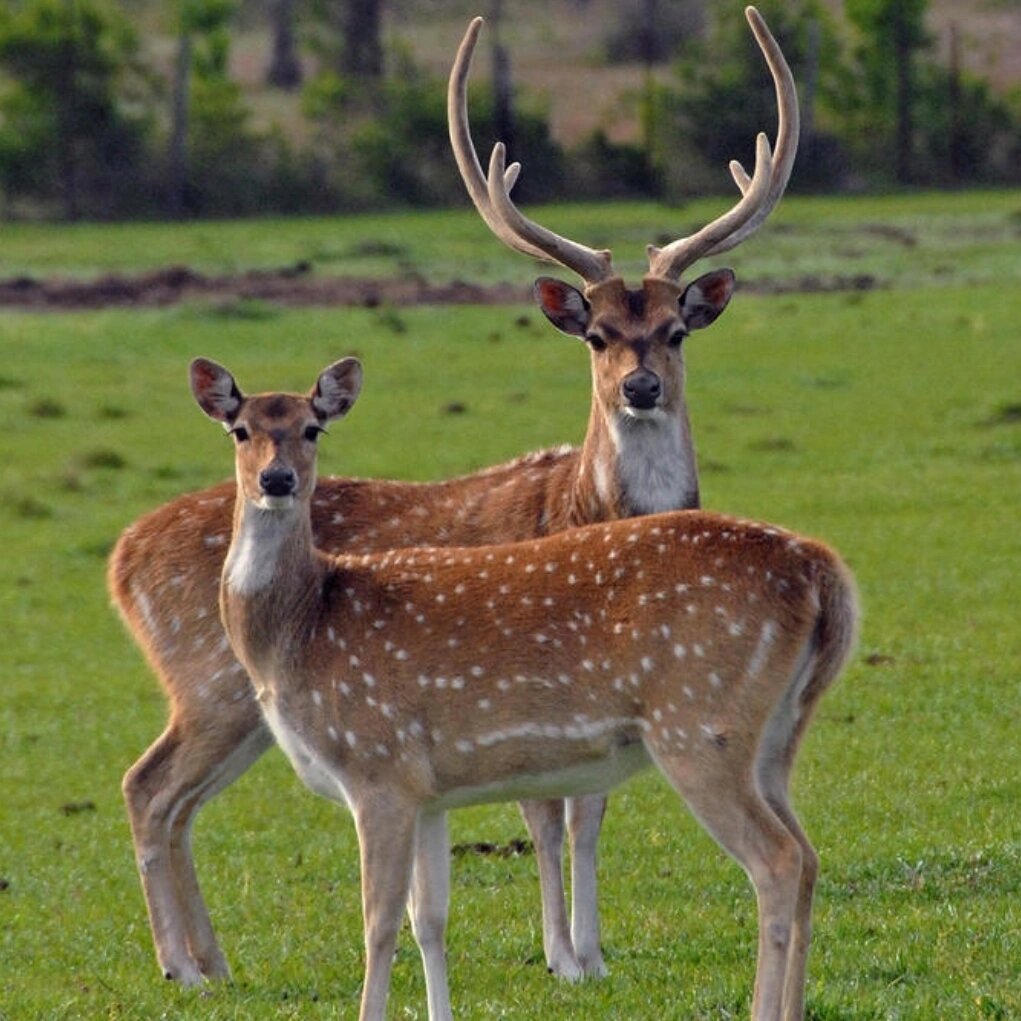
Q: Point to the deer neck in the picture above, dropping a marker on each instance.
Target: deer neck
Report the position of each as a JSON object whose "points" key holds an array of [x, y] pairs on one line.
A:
{"points": [[271, 584], [631, 466]]}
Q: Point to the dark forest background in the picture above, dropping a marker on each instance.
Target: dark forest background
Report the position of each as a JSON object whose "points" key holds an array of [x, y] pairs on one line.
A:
{"points": [[242, 107]]}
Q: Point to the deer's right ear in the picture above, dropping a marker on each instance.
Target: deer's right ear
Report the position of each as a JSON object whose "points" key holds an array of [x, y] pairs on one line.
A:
{"points": [[563, 305], [215, 390], [337, 389]]}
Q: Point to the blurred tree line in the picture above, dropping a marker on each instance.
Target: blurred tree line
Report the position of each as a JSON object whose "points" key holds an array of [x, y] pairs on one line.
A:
{"points": [[92, 125]]}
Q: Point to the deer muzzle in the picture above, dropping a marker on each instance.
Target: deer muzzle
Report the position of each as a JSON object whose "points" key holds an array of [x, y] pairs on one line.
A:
{"points": [[278, 481], [641, 390]]}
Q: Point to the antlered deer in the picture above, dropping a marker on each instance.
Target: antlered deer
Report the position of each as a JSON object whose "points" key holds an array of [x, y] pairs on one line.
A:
{"points": [[637, 457], [406, 683]]}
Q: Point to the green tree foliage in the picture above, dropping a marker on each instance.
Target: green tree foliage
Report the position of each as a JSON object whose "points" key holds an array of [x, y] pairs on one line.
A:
{"points": [[88, 129], [965, 133], [885, 80], [73, 116], [724, 96], [908, 118], [400, 151], [884, 111], [221, 164], [220, 145]]}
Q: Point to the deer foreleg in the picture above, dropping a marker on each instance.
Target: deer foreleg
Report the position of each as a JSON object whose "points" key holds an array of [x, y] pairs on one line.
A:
{"points": [[584, 821], [386, 838], [428, 906]]}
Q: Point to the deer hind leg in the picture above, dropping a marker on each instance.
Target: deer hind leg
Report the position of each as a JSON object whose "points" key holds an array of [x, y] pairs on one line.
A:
{"points": [[774, 789], [774, 763], [584, 821], [151, 813], [428, 906], [724, 797], [245, 749], [163, 790], [545, 822], [386, 826]]}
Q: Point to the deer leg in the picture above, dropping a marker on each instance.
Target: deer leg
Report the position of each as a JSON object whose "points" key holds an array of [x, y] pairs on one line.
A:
{"points": [[773, 778], [584, 821], [151, 811], [163, 790], [727, 802], [386, 838], [801, 936], [428, 906], [545, 822], [202, 942]]}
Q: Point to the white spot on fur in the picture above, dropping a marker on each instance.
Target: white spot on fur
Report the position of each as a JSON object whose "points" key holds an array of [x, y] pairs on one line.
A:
{"points": [[762, 647]]}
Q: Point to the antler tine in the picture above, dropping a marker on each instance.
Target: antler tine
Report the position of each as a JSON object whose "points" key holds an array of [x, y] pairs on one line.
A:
{"points": [[592, 265], [673, 259], [787, 131], [492, 197], [461, 141]]}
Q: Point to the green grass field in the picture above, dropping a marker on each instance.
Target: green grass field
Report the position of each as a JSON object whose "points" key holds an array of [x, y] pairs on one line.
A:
{"points": [[886, 421]]}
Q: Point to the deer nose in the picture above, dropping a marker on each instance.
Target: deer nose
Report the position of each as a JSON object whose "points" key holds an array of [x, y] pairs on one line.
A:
{"points": [[278, 481], [641, 389]]}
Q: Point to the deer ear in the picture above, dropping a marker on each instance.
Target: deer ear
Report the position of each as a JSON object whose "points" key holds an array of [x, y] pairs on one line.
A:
{"points": [[563, 305], [337, 389], [215, 390], [704, 299]]}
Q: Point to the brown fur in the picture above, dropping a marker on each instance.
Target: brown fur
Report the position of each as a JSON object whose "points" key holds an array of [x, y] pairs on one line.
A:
{"points": [[409, 682]]}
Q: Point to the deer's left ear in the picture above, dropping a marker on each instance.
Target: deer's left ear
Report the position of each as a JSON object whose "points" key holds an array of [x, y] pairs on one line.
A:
{"points": [[215, 390], [704, 299], [337, 389]]}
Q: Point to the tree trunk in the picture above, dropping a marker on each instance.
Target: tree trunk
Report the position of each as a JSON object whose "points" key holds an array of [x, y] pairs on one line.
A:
{"points": [[177, 161], [67, 169], [957, 141], [285, 67], [362, 27], [904, 131], [810, 88], [648, 46], [503, 89]]}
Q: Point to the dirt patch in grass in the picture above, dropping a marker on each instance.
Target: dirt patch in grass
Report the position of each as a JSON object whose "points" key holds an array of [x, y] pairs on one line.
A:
{"points": [[298, 285], [291, 285], [513, 849]]}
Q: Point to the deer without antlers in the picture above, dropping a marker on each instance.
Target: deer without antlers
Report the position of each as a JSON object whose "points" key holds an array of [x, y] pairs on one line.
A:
{"points": [[407, 683], [637, 457]]}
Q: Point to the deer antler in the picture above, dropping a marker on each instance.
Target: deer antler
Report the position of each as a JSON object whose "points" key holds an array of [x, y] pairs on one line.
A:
{"points": [[760, 192], [492, 195]]}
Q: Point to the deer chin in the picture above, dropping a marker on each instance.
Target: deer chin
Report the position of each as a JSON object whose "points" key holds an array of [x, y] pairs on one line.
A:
{"points": [[276, 503], [655, 414]]}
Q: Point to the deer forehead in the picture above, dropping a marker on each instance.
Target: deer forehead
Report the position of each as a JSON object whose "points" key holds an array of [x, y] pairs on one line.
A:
{"points": [[277, 415], [649, 312]]}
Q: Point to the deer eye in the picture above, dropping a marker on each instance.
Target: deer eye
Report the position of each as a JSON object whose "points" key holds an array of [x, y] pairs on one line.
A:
{"points": [[240, 433], [677, 338], [595, 342], [312, 432]]}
